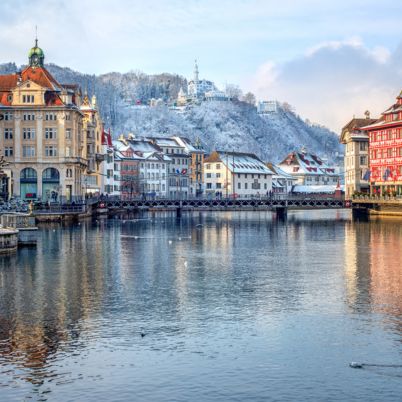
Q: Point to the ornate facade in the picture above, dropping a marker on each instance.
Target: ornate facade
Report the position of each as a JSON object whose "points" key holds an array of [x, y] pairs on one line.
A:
{"points": [[385, 139], [48, 137]]}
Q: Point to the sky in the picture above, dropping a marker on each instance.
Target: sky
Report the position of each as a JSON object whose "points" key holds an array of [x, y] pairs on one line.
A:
{"points": [[331, 60]]}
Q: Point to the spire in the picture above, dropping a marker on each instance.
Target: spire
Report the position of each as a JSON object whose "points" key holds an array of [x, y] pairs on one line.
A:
{"points": [[36, 56], [195, 72]]}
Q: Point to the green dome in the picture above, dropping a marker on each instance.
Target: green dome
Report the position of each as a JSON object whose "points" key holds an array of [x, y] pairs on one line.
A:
{"points": [[37, 51]]}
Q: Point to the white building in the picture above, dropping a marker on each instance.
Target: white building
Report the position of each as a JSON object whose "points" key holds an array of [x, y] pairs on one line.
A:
{"points": [[216, 95], [197, 88], [110, 183], [266, 107], [309, 170], [236, 174], [153, 167], [178, 174], [282, 182]]}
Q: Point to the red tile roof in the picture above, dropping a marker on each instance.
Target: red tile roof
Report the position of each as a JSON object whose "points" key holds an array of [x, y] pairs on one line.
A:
{"points": [[40, 76], [8, 81]]}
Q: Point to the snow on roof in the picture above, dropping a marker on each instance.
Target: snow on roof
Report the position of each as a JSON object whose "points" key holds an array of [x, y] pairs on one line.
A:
{"points": [[278, 172], [307, 163], [120, 145], [165, 142], [143, 145], [238, 162], [329, 189]]}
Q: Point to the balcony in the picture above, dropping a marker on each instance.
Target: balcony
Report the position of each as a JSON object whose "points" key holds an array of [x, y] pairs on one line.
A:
{"points": [[76, 159], [100, 157]]}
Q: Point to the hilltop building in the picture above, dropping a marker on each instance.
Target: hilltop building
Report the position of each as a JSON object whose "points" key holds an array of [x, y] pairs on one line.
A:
{"points": [[236, 174], [356, 160], [181, 98], [385, 147], [267, 107], [197, 88], [48, 140]]}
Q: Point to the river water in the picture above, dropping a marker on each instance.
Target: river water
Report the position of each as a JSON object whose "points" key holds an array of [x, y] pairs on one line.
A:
{"points": [[212, 307]]}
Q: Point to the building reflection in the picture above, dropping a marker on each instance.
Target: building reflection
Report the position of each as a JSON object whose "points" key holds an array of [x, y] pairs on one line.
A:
{"points": [[46, 294], [373, 269]]}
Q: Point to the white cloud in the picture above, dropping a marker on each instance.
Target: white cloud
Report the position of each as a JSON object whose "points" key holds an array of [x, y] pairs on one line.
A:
{"points": [[334, 81]]}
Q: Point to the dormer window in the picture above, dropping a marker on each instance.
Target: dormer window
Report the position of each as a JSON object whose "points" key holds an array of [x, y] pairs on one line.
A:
{"points": [[28, 98]]}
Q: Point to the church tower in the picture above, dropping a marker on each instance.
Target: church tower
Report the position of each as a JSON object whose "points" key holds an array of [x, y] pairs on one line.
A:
{"points": [[36, 56]]}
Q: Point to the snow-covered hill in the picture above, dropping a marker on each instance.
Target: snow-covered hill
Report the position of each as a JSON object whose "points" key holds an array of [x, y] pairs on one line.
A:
{"points": [[220, 125]]}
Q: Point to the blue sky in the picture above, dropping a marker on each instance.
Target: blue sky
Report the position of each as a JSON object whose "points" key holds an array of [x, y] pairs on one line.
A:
{"points": [[311, 53]]}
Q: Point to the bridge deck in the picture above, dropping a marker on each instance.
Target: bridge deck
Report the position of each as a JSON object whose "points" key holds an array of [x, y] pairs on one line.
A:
{"points": [[267, 203]]}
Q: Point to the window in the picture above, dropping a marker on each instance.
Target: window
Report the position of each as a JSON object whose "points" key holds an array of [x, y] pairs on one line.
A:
{"points": [[50, 117], [208, 166], [218, 166], [8, 151], [239, 186], [245, 186], [209, 185], [28, 151], [218, 185], [68, 116], [218, 175], [69, 173], [8, 133], [29, 116], [28, 133], [209, 175], [68, 151], [50, 150], [8, 116], [363, 146], [50, 133], [68, 133], [28, 98], [363, 160]]}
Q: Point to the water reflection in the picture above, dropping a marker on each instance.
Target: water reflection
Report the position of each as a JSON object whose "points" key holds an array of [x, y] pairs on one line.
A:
{"points": [[211, 285]]}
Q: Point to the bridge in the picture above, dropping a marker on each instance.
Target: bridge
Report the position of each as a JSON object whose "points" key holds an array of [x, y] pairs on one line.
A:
{"points": [[279, 205]]}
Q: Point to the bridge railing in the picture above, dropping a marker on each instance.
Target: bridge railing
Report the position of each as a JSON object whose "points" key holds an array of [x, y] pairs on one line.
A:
{"points": [[377, 197]]}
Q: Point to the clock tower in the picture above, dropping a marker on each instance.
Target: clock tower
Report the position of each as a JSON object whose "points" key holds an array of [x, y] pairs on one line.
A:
{"points": [[36, 56]]}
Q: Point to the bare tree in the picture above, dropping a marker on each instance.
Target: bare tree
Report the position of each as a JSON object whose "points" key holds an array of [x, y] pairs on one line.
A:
{"points": [[249, 97], [233, 91]]}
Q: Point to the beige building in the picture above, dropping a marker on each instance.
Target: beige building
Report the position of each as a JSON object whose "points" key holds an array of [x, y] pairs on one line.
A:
{"points": [[44, 134], [356, 161], [236, 174]]}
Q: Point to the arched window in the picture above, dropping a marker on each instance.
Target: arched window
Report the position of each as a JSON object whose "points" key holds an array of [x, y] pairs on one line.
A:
{"points": [[51, 175], [29, 173]]}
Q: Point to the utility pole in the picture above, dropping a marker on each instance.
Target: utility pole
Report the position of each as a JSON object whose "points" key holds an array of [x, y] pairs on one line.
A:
{"points": [[227, 176], [233, 184]]}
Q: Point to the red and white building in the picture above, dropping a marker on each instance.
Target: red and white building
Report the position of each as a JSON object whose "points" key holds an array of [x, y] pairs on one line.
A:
{"points": [[385, 146]]}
